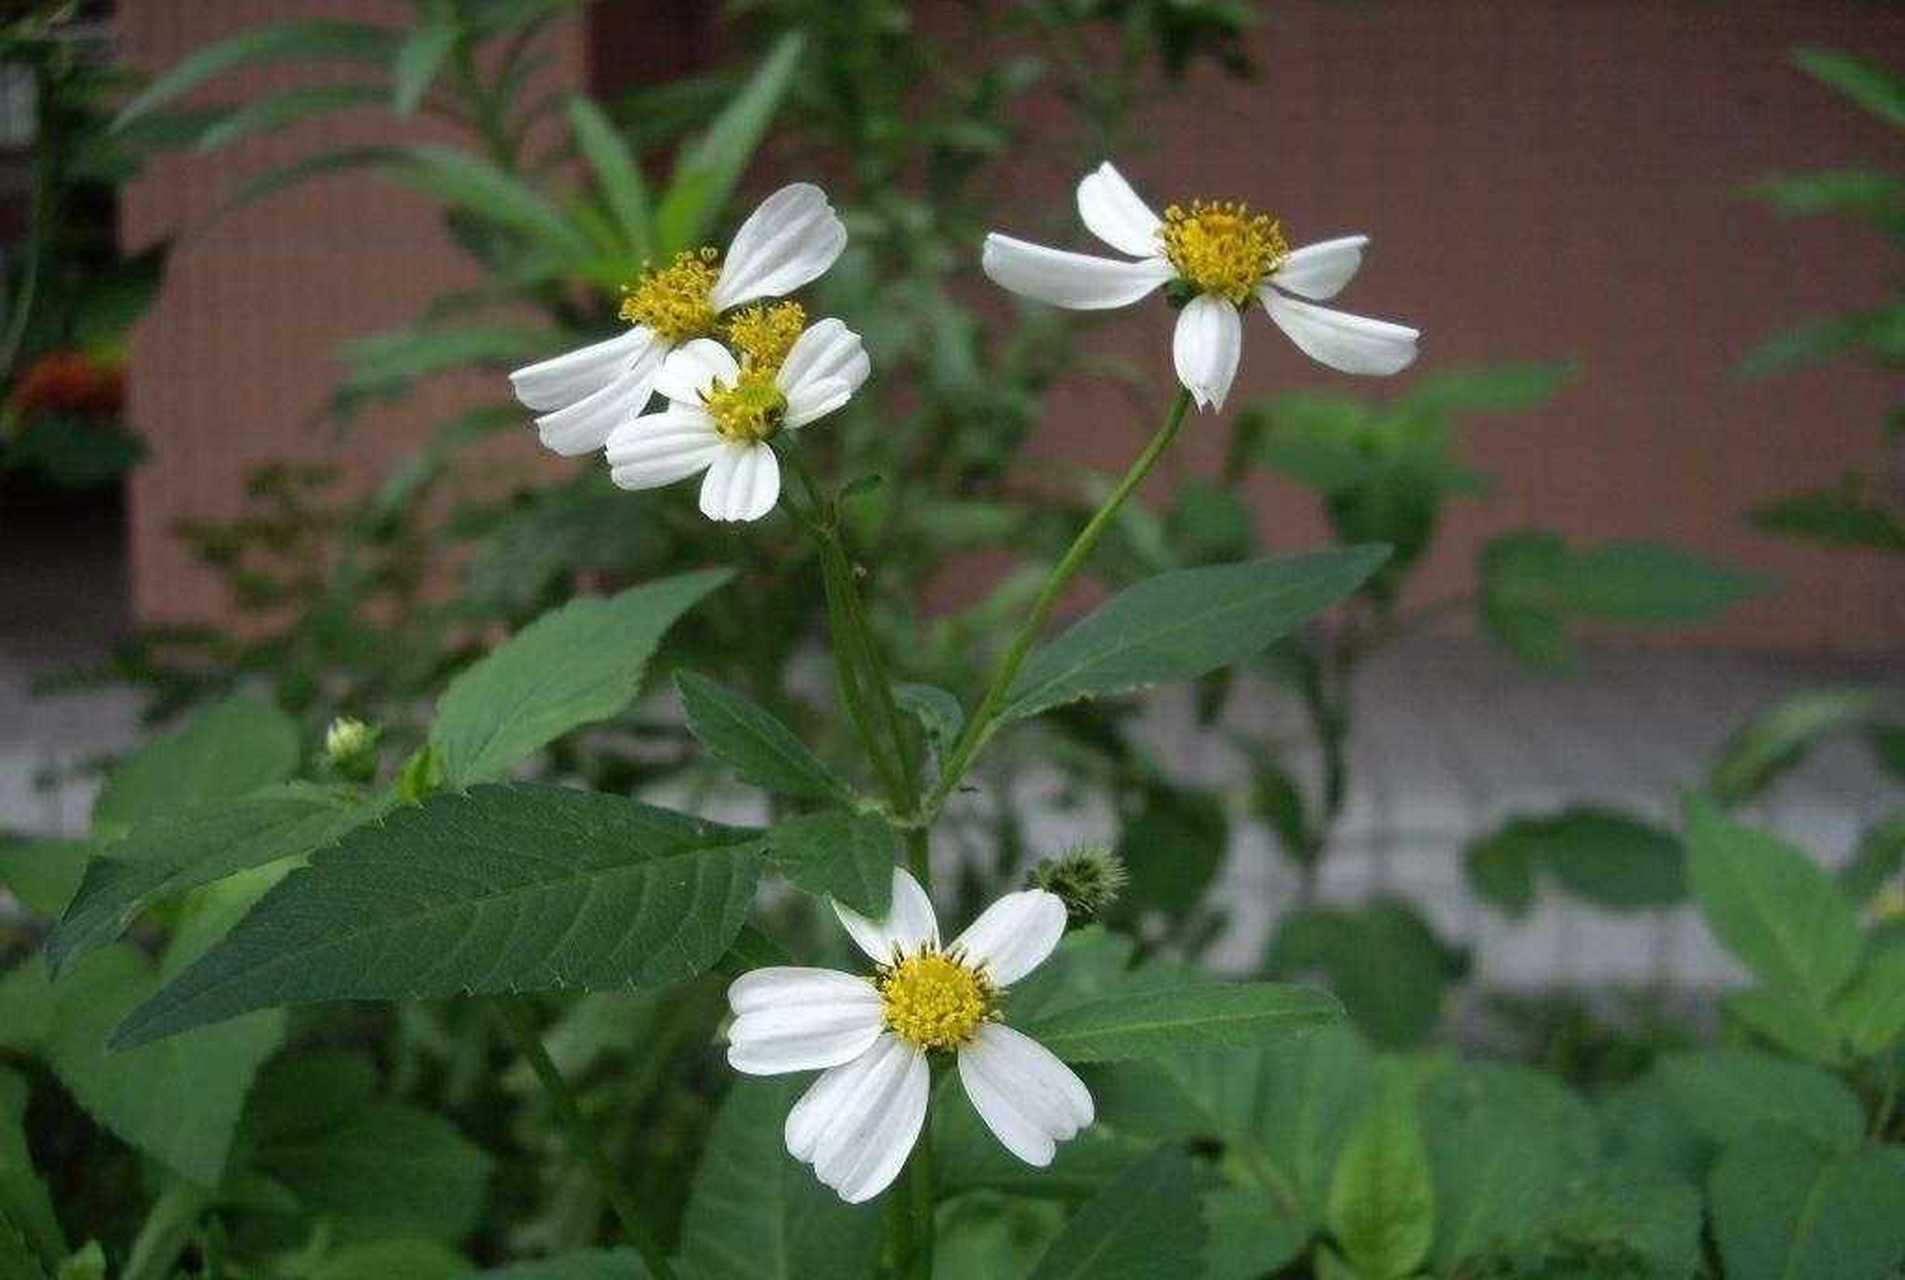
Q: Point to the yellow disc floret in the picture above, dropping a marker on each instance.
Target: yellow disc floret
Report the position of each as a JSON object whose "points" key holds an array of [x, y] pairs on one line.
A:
{"points": [[935, 1001], [749, 409], [1223, 247], [763, 334], [675, 300]]}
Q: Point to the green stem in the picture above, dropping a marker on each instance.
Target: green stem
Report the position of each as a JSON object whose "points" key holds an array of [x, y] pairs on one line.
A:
{"points": [[166, 1231], [522, 1029], [980, 726], [918, 1208]]}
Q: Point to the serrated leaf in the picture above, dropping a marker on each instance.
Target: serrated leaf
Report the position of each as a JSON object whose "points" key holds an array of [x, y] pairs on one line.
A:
{"points": [[256, 46], [1183, 1017], [178, 1101], [1785, 1209], [1382, 1199], [1179, 625], [1147, 1225], [755, 1213], [1770, 905], [169, 855], [763, 750], [577, 664], [1726, 1093], [501, 889], [228, 749], [846, 856]]}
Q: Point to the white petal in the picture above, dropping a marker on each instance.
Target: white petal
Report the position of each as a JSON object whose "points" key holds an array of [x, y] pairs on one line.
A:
{"points": [[584, 426], [787, 985], [874, 1123], [789, 241], [1013, 936], [693, 367], [661, 448], [815, 399], [1352, 344], [1321, 270], [803, 1037], [743, 483], [1206, 347], [1076, 280], [1026, 1096], [1115, 214], [820, 1106], [564, 379], [908, 927], [826, 349]]}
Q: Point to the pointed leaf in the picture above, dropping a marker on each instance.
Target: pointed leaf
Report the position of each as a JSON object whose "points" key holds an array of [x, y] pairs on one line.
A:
{"points": [[226, 750], [763, 750], [618, 176], [1183, 1018], [503, 889], [1382, 1202], [1726, 1093], [846, 856], [1179, 625], [421, 57], [710, 166], [577, 664], [255, 46], [1147, 1225]]}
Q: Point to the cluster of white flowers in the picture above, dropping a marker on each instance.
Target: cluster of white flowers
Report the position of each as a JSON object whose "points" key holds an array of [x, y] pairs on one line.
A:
{"points": [[738, 364]]}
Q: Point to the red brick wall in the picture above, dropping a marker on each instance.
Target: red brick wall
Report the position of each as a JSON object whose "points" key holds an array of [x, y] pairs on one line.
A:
{"points": [[1544, 179]]}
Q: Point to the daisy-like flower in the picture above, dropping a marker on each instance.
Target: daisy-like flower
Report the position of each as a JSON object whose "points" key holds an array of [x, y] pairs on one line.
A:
{"points": [[1222, 255], [723, 411], [788, 242], [872, 1035]]}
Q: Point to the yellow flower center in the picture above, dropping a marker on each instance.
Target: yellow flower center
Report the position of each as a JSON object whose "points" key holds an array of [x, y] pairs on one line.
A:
{"points": [[674, 300], [749, 409], [764, 334], [1223, 247], [935, 1001]]}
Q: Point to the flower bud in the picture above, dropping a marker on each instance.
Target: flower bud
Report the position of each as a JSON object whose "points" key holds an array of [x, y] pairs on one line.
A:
{"points": [[1087, 880], [351, 747]]}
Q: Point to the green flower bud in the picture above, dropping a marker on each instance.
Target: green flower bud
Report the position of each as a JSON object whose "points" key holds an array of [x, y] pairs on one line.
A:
{"points": [[351, 747], [1087, 880]]}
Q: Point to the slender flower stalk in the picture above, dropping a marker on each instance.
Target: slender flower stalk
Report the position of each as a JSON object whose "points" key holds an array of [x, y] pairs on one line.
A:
{"points": [[980, 724]]}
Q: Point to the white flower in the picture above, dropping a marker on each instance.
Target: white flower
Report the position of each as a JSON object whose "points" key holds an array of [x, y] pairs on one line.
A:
{"points": [[722, 412], [859, 1120], [788, 242], [1223, 255]]}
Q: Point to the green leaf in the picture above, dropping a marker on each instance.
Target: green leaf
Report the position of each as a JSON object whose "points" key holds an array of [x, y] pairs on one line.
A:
{"points": [[846, 856], [1783, 1209], [1879, 857], [1147, 1225], [1881, 330], [1382, 1200], [178, 1101], [1838, 517], [1181, 1018], [938, 712], [1770, 905], [382, 1259], [388, 1169], [169, 855], [585, 1264], [1869, 192], [755, 1213], [1173, 846], [1502, 388], [474, 184], [1507, 1148], [570, 667], [276, 111], [1178, 625], [228, 749], [503, 889], [1871, 1012], [41, 872], [256, 46], [1248, 1238], [618, 176], [1383, 960], [967, 1156], [1866, 82], [24, 1203], [421, 57], [1726, 1093], [711, 165], [1775, 740], [1788, 1021], [763, 750], [1601, 856]]}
